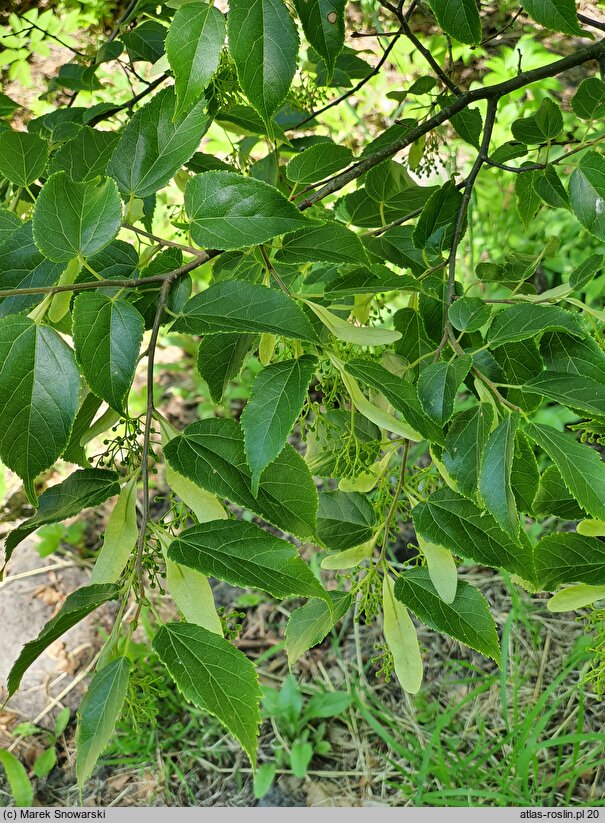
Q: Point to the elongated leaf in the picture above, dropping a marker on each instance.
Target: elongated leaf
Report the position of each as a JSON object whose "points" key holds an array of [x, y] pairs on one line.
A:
{"points": [[455, 523], [81, 490], [75, 219], [527, 321], [464, 444], [214, 676], [311, 623], [263, 42], [120, 537], [22, 266], [466, 619], [575, 391], [369, 281], [276, 400], [495, 486], [193, 47], [581, 468], [442, 569], [40, 387], [570, 558], [435, 226], [586, 270], [330, 243], [324, 27], [460, 20], [155, 144], [234, 306], [211, 453], [576, 597], [591, 528], [572, 355], [348, 333], [318, 162], [554, 498], [244, 555], [525, 475], [193, 596], [344, 519], [587, 193], [20, 785], [86, 155], [220, 359], [349, 558], [438, 385], [77, 606], [23, 156], [528, 199], [98, 714], [401, 638], [229, 211], [107, 336], [558, 15], [375, 414]]}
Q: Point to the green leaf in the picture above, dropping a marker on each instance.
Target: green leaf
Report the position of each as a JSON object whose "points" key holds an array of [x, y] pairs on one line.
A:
{"points": [[311, 623], [193, 596], [451, 521], [193, 46], [146, 42], [548, 186], [235, 306], [9, 223], [569, 558], [574, 391], [438, 385], [591, 528], [220, 359], [585, 271], [81, 490], [40, 387], [276, 399], [581, 356], [467, 619], [7, 106], [214, 676], [244, 555], [363, 280], [495, 486], [211, 453], [469, 314], [558, 15], [229, 211], [263, 42], [75, 219], [460, 19], [20, 784], [349, 558], [22, 266], [318, 162], [442, 569], [541, 127], [525, 476], [589, 100], [23, 157], [374, 413], [554, 498], [330, 243], [436, 223], [107, 336], [464, 444], [400, 394], [576, 597], [323, 23], [120, 538], [468, 124], [587, 193], [98, 714], [529, 320], [528, 199], [581, 468], [77, 606], [401, 638], [348, 333], [86, 155], [344, 519], [155, 144]]}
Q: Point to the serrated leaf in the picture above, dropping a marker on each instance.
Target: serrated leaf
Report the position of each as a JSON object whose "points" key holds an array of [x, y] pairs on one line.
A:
{"points": [[558, 15], [311, 623], [146, 41], [467, 619], [581, 467], [344, 519], [374, 413], [574, 391], [211, 454], [81, 490], [401, 638], [457, 524], [77, 606], [330, 243], [263, 42], [438, 385], [437, 220], [228, 211], [244, 555], [120, 538], [548, 186], [464, 444], [589, 100], [23, 266], [369, 281], [587, 193], [318, 162], [468, 314], [193, 46], [573, 355], [460, 19], [576, 597], [527, 198], [86, 155], [9, 223], [525, 476], [554, 498], [155, 144], [23, 157], [75, 219], [235, 306], [324, 27], [276, 399], [527, 321], [468, 124], [107, 336], [20, 785], [401, 396], [220, 359], [40, 387], [585, 271], [541, 127], [348, 333], [569, 558], [214, 676], [98, 714], [495, 486]]}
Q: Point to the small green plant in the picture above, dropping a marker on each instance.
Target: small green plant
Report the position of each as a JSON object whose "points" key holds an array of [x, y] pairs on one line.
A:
{"points": [[46, 761]]}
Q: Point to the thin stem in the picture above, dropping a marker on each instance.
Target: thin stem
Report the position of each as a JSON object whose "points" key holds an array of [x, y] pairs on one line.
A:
{"points": [[169, 243]]}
